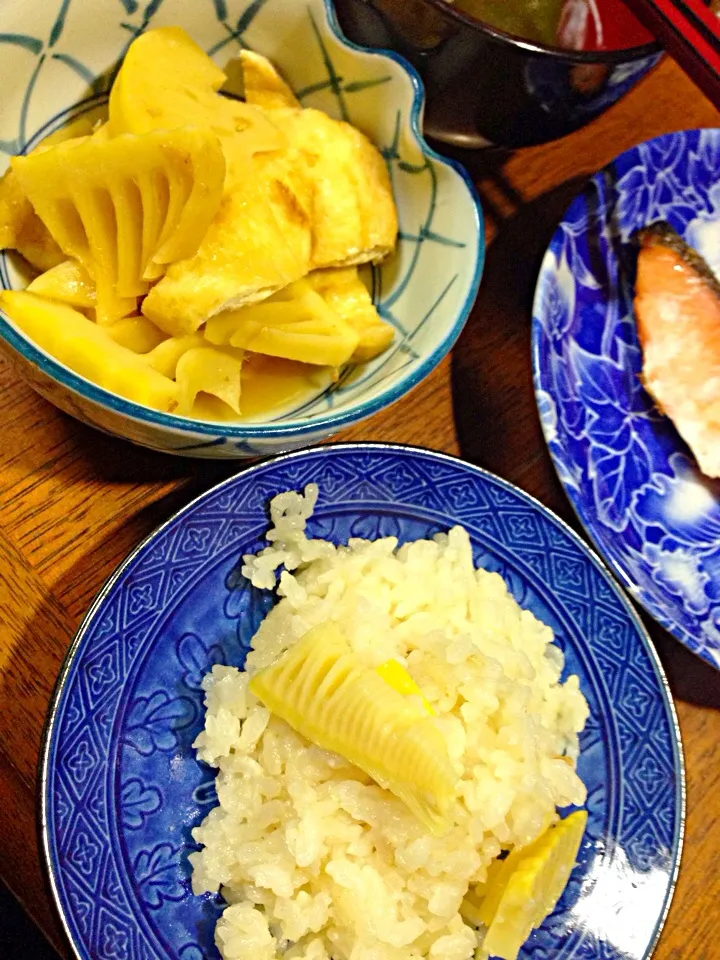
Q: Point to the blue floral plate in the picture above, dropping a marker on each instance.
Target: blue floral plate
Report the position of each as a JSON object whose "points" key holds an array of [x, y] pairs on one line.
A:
{"points": [[121, 788], [628, 474]]}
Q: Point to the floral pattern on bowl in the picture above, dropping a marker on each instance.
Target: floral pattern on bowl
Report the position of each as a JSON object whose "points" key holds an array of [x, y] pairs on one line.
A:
{"points": [[627, 472], [58, 61]]}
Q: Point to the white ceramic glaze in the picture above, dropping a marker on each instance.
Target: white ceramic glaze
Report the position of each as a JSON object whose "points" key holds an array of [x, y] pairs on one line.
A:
{"points": [[57, 60]]}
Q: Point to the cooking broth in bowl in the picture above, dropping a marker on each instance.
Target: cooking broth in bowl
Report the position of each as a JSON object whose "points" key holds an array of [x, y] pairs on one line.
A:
{"points": [[573, 24], [531, 19]]}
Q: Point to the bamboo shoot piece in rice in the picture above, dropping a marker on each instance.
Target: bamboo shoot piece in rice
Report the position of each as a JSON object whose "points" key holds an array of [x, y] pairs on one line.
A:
{"points": [[524, 888], [330, 696]]}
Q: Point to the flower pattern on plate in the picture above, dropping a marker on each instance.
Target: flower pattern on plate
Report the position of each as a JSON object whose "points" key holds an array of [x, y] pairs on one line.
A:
{"points": [[630, 477], [119, 810]]}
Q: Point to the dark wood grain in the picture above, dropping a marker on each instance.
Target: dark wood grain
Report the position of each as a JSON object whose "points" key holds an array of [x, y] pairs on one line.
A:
{"points": [[73, 502]]}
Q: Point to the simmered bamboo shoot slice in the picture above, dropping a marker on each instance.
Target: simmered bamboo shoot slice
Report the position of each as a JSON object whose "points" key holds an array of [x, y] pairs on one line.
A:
{"points": [[208, 370], [167, 81], [137, 334], [166, 355], [68, 282], [346, 294], [295, 324], [122, 207], [88, 349], [22, 229]]}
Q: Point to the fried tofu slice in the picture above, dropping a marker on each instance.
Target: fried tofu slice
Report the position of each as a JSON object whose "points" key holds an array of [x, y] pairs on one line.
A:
{"points": [[354, 219], [353, 213], [262, 84]]}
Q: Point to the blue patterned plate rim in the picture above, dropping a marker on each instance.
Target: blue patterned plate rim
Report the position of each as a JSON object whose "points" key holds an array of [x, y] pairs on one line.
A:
{"points": [[291, 428], [542, 380], [247, 476]]}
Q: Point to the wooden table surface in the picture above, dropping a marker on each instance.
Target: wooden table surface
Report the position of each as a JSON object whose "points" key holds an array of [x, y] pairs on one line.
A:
{"points": [[73, 502]]}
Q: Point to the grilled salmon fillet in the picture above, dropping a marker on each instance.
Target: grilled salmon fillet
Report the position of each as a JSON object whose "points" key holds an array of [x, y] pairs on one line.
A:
{"points": [[677, 307]]}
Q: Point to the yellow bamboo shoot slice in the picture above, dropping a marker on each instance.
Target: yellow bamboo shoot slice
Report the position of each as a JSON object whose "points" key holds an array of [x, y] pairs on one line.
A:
{"points": [[137, 334], [82, 126], [21, 229], [346, 294], [165, 356], [527, 885], [272, 385], [326, 693], [167, 81], [124, 205], [295, 324], [69, 282], [396, 675], [88, 349], [208, 370]]}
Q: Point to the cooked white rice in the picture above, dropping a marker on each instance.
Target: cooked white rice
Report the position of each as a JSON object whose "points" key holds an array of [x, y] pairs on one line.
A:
{"points": [[314, 859]]}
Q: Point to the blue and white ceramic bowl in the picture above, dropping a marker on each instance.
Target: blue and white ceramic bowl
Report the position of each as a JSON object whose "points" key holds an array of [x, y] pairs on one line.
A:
{"points": [[121, 786], [55, 63], [632, 480]]}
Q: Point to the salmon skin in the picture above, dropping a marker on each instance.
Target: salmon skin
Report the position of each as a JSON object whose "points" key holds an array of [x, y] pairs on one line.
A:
{"points": [[677, 308], [661, 234]]}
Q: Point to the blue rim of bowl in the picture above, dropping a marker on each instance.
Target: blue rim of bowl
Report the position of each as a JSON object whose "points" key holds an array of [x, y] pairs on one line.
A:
{"points": [[286, 428], [247, 475], [573, 497]]}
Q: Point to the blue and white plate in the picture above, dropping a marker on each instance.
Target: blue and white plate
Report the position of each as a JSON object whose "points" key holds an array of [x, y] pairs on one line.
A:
{"points": [[632, 480], [121, 788]]}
